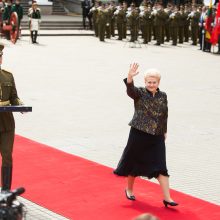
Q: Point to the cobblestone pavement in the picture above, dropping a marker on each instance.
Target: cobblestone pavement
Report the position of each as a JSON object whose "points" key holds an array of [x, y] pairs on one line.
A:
{"points": [[75, 87], [36, 212]]}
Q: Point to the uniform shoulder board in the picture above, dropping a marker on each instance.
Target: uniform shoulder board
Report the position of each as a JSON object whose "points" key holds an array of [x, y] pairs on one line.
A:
{"points": [[38, 9], [5, 71]]}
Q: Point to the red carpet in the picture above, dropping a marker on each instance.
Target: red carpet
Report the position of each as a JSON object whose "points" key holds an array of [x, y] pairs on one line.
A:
{"points": [[83, 190]]}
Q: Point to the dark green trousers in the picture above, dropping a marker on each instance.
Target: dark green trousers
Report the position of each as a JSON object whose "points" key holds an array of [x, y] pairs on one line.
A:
{"points": [[124, 30], [6, 147], [108, 31], [174, 34], [159, 35], [186, 33], [146, 33], [181, 34], [194, 34], [112, 28], [102, 32], [120, 30]]}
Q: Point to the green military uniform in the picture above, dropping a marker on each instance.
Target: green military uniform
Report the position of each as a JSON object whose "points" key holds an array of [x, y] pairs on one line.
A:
{"points": [[174, 25], [19, 10], [102, 20], [195, 27], [108, 23], [112, 11], [120, 22], [133, 24], [6, 18], [159, 22], [8, 96], [186, 26], [7, 13], [182, 18], [124, 27], [94, 12], [146, 23], [167, 24]]}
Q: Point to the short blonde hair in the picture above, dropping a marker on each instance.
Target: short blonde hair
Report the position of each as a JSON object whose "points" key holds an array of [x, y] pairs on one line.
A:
{"points": [[152, 73]]}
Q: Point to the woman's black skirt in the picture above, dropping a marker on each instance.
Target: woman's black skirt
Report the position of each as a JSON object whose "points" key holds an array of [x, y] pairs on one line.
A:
{"points": [[144, 155]]}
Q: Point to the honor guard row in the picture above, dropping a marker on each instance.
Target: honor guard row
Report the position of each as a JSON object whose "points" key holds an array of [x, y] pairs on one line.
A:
{"points": [[151, 21]]}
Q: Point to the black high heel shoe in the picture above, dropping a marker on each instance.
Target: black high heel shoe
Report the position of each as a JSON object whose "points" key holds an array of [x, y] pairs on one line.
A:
{"points": [[130, 197], [169, 203]]}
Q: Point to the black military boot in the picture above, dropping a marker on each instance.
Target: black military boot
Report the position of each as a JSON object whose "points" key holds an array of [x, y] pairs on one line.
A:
{"points": [[6, 179]]}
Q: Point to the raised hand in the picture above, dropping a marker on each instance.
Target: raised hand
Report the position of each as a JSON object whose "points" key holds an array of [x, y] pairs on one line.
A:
{"points": [[133, 71]]}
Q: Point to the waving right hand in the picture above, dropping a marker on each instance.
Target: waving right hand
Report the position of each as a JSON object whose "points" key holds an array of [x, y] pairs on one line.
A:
{"points": [[133, 70]]}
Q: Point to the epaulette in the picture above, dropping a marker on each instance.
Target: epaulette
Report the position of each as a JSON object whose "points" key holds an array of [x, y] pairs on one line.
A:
{"points": [[5, 71]]}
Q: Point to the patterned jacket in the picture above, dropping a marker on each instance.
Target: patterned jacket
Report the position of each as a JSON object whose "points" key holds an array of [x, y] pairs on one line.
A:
{"points": [[151, 113]]}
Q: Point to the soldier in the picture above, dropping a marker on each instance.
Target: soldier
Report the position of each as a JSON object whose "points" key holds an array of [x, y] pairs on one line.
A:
{"points": [[202, 28], [120, 16], [186, 23], [132, 17], [19, 10], [168, 12], [108, 21], [94, 13], [159, 22], [194, 16], [182, 18], [146, 20], [124, 27], [86, 5], [8, 96], [142, 7], [6, 16], [34, 15], [102, 20], [112, 11], [174, 24]]}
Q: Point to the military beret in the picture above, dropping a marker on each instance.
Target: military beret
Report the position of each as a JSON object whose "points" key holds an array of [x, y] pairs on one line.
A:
{"points": [[1, 49]]}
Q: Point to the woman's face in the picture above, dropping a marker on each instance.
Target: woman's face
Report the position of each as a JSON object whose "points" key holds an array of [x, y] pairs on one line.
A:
{"points": [[152, 84]]}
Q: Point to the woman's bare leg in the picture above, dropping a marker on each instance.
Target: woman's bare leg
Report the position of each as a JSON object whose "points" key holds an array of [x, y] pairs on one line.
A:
{"points": [[130, 185], [164, 184]]}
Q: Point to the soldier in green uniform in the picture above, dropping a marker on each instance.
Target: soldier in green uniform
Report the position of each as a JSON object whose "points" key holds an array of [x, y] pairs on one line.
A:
{"points": [[108, 20], [186, 23], [94, 13], [102, 20], [168, 12], [182, 19], [174, 25], [112, 11], [133, 20], [8, 96], [124, 27], [145, 20], [194, 16], [120, 16], [159, 22], [19, 10], [6, 16]]}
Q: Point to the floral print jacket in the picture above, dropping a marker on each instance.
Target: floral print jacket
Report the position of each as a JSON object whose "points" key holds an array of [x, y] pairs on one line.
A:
{"points": [[151, 112]]}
